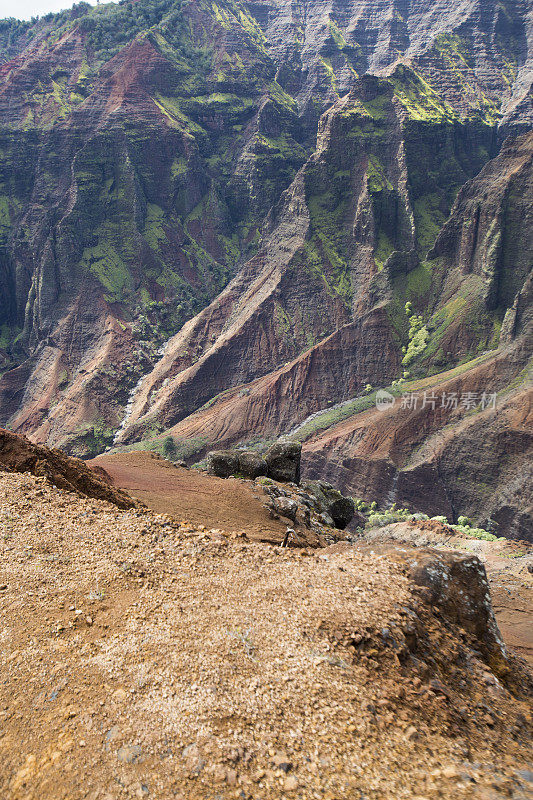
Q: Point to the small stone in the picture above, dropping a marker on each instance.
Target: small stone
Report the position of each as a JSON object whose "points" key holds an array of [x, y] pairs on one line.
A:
{"points": [[219, 774], [282, 763], [291, 784], [231, 777], [450, 772], [129, 753]]}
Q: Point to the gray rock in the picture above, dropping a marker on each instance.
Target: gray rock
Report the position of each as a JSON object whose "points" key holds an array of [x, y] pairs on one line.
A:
{"points": [[222, 463], [318, 498], [129, 753], [331, 502], [285, 507], [283, 461], [252, 465]]}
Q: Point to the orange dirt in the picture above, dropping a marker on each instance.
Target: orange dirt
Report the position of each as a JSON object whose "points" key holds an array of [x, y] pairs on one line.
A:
{"points": [[230, 504], [144, 659]]}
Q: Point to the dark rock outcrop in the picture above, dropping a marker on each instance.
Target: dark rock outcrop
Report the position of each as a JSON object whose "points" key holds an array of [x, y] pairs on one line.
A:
{"points": [[283, 461], [457, 585], [331, 502], [223, 463], [252, 465]]}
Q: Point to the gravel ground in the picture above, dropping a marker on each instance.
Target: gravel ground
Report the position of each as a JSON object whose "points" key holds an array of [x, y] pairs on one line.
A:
{"points": [[144, 657]]}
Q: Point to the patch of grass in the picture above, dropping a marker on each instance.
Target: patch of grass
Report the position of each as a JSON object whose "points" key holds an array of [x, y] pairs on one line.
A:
{"points": [[323, 420]]}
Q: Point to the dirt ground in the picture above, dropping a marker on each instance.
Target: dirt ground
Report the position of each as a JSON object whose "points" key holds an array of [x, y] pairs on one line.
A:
{"points": [[236, 506], [231, 504], [150, 659]]}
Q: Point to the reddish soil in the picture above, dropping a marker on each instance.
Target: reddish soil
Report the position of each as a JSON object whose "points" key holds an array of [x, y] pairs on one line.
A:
{"points": [[18, 454], [235, 505], [228, 504], [144, 659]]}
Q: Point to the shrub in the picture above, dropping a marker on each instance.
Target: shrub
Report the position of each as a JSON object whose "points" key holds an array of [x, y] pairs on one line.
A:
{"points": [[169, 447], [379, 520]]}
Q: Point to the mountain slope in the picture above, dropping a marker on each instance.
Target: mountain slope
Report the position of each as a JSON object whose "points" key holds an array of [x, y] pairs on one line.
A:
{"points": [[305, 198]]}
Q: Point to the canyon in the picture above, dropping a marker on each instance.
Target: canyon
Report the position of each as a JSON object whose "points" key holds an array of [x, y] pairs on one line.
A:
{"points": [[231, 222]]}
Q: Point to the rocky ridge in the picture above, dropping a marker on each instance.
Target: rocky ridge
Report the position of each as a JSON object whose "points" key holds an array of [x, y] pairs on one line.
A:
{"points": [[18, 454]]}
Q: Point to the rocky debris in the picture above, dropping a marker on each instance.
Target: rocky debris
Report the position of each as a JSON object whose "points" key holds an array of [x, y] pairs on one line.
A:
{"points": [[18, 454], [206, 499], [331, 502], [313, 505], [284, 507], [283, 461], [330, 667]]}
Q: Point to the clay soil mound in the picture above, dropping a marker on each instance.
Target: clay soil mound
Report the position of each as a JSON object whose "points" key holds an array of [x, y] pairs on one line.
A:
{"points": [[18, 454]]}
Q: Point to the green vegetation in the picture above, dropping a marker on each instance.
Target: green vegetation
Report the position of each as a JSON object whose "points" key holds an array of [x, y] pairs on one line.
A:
{"points": [[378, 519], [459, 61], [106, 263], [327, 248], [429, 219], [419, 99], [418, 336], [7, 334], [12, 33], [383, 249], [332, 416], [90, 439], [170, 447]]}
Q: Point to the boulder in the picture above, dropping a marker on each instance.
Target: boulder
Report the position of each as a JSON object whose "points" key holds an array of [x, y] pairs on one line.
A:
{"points": [[331, 502], [457, 584], [251, 465], [285, 507], [223, 463], [341, 510], [283, 461]]}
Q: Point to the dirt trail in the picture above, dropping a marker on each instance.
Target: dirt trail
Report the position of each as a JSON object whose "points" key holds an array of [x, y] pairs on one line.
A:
{"points": [[231, 504]]}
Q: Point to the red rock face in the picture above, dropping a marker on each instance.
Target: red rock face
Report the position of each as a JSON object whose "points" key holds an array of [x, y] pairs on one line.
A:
{"points": [[213, 202]]}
